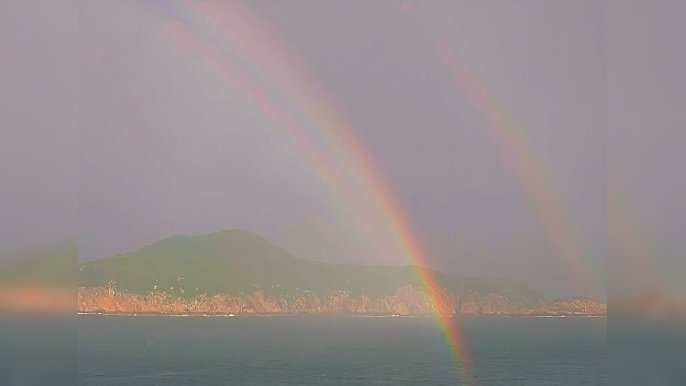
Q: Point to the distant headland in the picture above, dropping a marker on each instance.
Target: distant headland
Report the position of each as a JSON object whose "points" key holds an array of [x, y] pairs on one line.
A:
{"points": [[240, 272]]}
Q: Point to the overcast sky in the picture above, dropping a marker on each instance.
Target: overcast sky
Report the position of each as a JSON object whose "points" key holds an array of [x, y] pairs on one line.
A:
{"points": [[646, 138], [167, 147], [39, 110]]}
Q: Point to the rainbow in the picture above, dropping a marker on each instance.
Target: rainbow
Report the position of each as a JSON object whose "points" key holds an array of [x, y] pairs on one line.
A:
{"points": [[531, 172], [517, 156], [342, 161]]}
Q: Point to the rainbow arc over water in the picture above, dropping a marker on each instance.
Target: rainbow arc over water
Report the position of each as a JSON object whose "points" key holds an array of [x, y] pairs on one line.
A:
{"points": [[341, 159], [227, 35]]}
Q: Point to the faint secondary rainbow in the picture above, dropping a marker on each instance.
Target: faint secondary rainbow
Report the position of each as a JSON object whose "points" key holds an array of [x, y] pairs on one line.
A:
{"points": [[539, 189], [531, 172], [350, 168]]}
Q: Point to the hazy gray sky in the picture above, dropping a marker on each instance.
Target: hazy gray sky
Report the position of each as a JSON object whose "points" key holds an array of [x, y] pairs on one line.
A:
{"points": [[166, 146], [39, 110], [646, 138]]}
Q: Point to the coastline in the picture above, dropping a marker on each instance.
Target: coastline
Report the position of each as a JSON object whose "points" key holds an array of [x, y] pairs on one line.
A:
{"points": [[343, 315], [405, 301]]}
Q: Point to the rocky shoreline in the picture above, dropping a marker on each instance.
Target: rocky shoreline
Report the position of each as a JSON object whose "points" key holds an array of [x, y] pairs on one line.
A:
{"points": [[406, 301]]}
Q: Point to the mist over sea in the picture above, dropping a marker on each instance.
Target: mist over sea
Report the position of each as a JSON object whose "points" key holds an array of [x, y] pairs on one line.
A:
{"points": [[337, 350]]}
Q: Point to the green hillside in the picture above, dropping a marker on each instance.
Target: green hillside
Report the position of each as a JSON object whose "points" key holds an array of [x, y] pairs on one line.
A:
{"points": [[238, 261]]}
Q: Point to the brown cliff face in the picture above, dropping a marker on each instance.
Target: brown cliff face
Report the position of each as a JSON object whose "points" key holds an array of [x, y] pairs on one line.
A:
{"points": [[575, 306], [406, 300]]}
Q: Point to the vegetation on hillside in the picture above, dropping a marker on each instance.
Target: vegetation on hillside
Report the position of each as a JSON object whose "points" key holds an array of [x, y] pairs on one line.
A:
{"points": [[238, 262]]}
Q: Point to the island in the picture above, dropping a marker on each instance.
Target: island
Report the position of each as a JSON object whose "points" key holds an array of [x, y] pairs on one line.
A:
{"points": [[236, 272]]}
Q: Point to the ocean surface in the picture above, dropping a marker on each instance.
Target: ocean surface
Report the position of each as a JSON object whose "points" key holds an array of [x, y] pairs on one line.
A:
{"points": [[337, 350]]}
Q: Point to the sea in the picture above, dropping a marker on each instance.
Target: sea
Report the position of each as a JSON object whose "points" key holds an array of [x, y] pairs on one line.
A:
{"points": [[117, 350]]}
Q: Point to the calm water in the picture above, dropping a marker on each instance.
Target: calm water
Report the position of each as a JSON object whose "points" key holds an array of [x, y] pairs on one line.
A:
{"points": [[340, 350]]}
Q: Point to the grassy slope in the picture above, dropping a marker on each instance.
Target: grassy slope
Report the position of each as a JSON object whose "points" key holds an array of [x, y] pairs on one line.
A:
{"points": [[237, 261]]}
